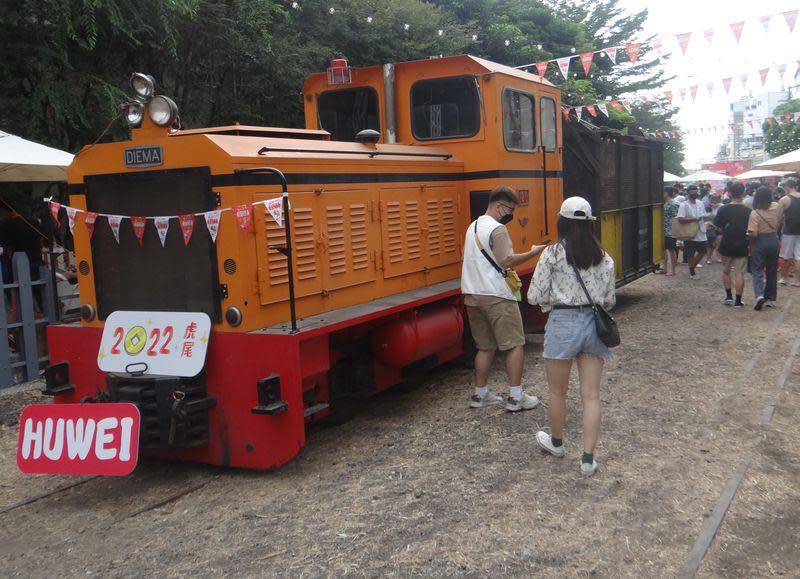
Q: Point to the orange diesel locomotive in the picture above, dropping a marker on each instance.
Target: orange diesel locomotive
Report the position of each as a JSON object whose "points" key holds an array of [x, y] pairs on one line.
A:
{"points": [[357, 288]]}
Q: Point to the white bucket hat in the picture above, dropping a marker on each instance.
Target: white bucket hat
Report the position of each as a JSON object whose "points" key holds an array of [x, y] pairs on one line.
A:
{"points": [[576, 208]]}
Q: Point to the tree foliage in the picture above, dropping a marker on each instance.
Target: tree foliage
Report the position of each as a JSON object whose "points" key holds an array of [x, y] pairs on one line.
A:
{"points": [[783, 137], [226, 61]]}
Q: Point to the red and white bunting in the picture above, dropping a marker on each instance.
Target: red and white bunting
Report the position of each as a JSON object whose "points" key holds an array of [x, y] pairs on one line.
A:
{"points": [[541, 67], [611, 52], [186, 222], [579, 111], [139, 224], [633, 51], [603, 108], [617, 106], [275, 208], [71, 212], [683, 94], [736, 28], [563, 65], [693, 90], [791, 19], [709, 36], [658, 47], [243, 218], [726, 82], [743, 77], [586, 61], [683, 40], [88, 221], [212, 222], [113, 223], [592, 110], [765, 22], [668, 96], [54, 209], [566, 112], [162, 226], [781, 71], [710, 88], [763, 73]]}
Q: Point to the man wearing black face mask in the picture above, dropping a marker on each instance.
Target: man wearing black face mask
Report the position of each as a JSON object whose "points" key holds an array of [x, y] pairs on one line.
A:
{"points": [[693, 211], [494, 316]]}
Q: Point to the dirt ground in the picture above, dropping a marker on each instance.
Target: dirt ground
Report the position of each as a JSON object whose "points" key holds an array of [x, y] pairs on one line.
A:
{"points": [[419, 484]]}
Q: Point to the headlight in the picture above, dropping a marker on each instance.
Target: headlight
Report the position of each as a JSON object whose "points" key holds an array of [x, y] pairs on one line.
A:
{"points": [[134, 113], [143, 85], [163, 111]]}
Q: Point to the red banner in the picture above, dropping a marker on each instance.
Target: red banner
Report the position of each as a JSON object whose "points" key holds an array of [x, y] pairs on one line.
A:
{"points": [[187, 226], [683, 40], [89, 221], [566, 112], [633, 51], [243, 217], [668, 96], [138, 227], [541, 67], [693, 90], [616, 106], [54, 209], [592, 110], [586, 61], [726, 82], [736, 28], [79, 439]]}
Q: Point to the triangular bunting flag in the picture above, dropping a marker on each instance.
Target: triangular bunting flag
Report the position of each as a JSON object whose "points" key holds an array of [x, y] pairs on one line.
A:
{"points": [[566, 114], [763, 73], [726, 82], [781, 71], [592, 110], [579, 111], [658, 47], [668, 96], [138, 227], [563, 65], [71, 212], [54, 209], [586, 61], [683, 40], [162, 226], [693, 90], [616, 105], [683, 94], [791, 18], [787, 117], [709, 35], [113, 222], [603, 108], [743, 77], [541, 67], [212, 222], [765, 22], [89, 220], [242, 213], [611, 53], [736, 28], [633, 51], [710, 88], [750, 124], [275, 208], [769, 122], [186, 222]]}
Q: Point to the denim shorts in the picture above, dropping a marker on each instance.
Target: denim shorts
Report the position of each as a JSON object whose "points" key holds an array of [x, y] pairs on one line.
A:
{"points": [[571, 333]]}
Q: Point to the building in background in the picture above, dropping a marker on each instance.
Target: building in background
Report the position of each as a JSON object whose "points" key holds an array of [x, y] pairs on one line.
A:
{"points": [[746, 138]]}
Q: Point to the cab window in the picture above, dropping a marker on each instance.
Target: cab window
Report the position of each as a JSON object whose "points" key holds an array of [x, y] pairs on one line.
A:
{"points": [[519, 124], [344, 113], [548, 119], [445, 108]]}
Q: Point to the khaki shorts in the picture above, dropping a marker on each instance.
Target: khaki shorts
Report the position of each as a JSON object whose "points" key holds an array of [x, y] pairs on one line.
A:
{"points": [[737, 264], [496, 327]]}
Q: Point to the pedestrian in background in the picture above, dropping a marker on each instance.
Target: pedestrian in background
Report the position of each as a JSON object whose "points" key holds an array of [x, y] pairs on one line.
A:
{"points": [[762, 229], [711, 232], [693, 211], [670, 243], [492, 309], [731, 221], [570, 334], [790, 241]]}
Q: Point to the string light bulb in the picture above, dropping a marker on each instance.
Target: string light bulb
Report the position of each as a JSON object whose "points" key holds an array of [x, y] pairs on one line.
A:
{"points": [[369, 19], [572, 50], [538, 46], [506, 42], [406, 26], [440, 32], [332, 10], [474, 37], [295, 5]]}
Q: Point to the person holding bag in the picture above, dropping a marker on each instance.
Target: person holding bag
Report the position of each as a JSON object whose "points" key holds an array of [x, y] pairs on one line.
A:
{"points": [[762, 230], [491, 291], [574, 281]]}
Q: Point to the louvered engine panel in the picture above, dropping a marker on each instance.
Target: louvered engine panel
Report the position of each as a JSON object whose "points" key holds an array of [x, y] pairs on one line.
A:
{"points": [[402, 239], [350, 239], [441, 234]]}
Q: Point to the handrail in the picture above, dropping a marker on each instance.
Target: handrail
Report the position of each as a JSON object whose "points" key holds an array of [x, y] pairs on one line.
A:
{"points": [[370, 154]]}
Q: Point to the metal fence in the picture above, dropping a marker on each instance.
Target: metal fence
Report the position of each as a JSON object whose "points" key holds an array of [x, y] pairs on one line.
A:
{"points": [[26, 307]]}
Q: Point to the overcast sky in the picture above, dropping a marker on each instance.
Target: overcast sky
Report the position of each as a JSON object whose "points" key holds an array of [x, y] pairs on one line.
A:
{"points": [[704, 63]]}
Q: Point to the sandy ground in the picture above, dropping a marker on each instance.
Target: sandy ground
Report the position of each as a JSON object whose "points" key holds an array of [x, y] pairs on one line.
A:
{"points": [[418, 484]]}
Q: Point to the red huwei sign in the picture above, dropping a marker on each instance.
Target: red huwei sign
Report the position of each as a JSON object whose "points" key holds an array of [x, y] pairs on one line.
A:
{"points": [[79, 439]]}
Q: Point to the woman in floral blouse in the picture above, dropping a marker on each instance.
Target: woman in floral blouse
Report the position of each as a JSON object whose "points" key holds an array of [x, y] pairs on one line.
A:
{"points": [[570, 334]]}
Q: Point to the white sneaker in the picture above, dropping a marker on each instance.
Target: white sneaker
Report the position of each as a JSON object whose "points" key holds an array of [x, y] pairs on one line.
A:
{"points": [[546, 443], [782, 281], [527, 402], [770, 303], [588, 469], [491, 398]]}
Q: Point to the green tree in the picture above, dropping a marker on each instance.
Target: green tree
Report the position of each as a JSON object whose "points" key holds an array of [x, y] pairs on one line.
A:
{"points": [[783, 137]]}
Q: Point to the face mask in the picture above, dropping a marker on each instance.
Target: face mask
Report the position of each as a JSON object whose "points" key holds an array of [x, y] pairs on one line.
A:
{"points": [[506, 219]]}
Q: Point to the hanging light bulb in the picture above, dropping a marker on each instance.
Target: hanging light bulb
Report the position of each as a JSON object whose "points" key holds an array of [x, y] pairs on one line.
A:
{"points": [[406, 26], [331, 10], [440, 32], [538, 46], [572, 50], [369, 19], [506, 42], [474, 37], [295, 5]]}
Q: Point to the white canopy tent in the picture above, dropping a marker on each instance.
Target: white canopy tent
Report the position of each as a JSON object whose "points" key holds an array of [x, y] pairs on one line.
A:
{"points": [[22, 160], [670, 178], [760, 173], [705, 175], [787, 162]]}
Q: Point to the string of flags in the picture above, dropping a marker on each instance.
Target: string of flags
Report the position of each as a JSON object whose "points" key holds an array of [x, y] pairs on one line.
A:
{"points": [[632, 50], [242, 213], [753, 124]]}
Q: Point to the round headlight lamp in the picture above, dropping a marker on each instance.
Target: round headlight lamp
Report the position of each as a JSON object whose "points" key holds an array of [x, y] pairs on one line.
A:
{"points": [[143, 85], [134, 113], [163, 111]]}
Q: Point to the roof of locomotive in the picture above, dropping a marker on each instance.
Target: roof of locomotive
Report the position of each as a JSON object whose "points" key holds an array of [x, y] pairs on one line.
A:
{"points": [[459, 62]]}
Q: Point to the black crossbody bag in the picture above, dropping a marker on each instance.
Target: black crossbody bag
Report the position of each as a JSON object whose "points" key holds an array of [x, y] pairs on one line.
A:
{"points": [[604, 323]]}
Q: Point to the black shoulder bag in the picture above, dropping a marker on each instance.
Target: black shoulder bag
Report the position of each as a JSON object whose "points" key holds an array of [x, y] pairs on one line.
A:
{"points": [[604, 323]]}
